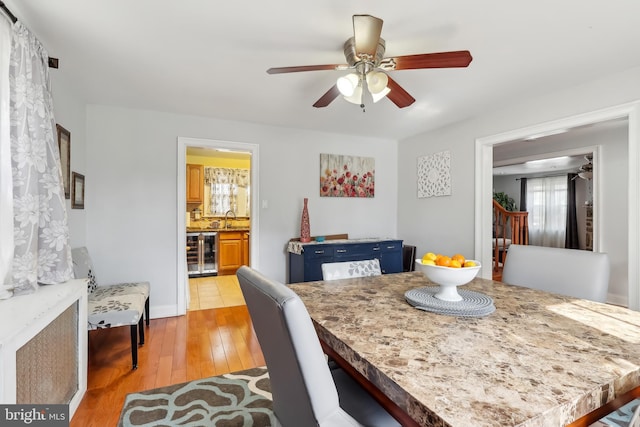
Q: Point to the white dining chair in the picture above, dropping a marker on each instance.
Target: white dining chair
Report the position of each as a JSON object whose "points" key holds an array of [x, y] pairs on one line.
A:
{"points": [[349, 269], [572, 272], [305, 391]]}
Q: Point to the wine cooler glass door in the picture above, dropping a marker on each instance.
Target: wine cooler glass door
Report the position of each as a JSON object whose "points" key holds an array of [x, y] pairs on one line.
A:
{"points": [[193, 246]]}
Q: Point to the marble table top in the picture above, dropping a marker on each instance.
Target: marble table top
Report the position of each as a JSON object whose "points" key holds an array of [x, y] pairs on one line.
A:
{"points": [[539, 360]]}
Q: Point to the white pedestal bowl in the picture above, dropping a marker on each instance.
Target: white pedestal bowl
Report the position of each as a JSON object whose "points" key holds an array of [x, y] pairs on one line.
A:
{"points": [[448, 278]]}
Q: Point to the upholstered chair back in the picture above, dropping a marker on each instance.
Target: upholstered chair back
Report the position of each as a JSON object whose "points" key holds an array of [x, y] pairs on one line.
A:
{"points": [[305, 390], [302, 386], [571, 272], [349, 269]]}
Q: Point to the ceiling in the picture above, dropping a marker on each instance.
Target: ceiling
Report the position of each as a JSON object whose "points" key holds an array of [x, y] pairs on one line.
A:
{"points": [[218, 153], [508, 158], [561, 164], [207, 58]]}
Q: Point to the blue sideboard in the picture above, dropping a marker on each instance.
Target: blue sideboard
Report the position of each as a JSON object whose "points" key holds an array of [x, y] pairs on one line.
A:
{"points": [[306, 266]]}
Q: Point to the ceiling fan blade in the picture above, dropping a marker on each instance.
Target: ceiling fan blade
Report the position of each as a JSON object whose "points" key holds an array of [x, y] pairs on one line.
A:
{"points": [[280, 70], [398, 95], [366, 32], [328, 97], [460, 58]]}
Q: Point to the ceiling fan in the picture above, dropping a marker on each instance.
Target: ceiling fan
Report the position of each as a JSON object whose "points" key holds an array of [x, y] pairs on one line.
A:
{"points": [[364, 53], [586, 171]]}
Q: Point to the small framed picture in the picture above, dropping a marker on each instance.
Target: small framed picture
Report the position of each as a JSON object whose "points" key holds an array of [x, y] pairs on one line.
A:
{"points": [[77, 191], [64, 145]]}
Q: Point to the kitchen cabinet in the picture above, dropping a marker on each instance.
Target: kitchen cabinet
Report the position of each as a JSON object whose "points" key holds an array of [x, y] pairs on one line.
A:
{"points": [[233, 251], [307, 266], [195, 183]]}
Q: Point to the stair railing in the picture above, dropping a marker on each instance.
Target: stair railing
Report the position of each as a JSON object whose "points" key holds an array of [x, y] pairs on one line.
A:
{"points": [[512, 225]]}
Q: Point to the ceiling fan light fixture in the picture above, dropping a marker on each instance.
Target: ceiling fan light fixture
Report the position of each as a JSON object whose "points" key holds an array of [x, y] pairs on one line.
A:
{"points": [[348, 84], [356, 96], [377, 81], [586, 175], [378, 96]]}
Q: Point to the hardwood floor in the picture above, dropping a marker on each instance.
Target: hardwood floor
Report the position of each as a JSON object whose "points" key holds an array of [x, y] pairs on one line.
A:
{"points": [[200, 344]]}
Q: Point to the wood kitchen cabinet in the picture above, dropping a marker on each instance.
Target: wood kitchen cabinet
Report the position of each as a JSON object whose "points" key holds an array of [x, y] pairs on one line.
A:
{"points": [[233, 251], [245, 248], [195, 183]]}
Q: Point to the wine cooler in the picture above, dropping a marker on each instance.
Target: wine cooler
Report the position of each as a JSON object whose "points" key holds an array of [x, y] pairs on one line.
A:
{"points": [[202, 254]]}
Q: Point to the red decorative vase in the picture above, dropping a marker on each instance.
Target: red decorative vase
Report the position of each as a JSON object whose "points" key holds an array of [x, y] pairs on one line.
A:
{"points": [[305, 233]]}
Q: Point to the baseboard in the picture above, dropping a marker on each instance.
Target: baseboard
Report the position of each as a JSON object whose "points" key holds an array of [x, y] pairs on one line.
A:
{"points": [[157, 312], [620, 300]]}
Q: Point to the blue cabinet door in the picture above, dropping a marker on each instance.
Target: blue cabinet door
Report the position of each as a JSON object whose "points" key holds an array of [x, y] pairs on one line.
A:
{"points": [[390, 256]]}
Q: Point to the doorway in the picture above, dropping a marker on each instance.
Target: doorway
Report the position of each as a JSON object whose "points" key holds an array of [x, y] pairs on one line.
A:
{"points": [[211, 146], [484, 179], [546, 174]]}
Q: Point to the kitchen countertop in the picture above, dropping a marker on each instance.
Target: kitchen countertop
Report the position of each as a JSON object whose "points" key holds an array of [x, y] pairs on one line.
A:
{"points": [[540, 359]]}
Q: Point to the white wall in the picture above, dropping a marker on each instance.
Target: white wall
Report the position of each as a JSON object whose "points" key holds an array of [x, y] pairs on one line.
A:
{"points": [[509, 185], [69, 111], [446, 224], [131, 192]]}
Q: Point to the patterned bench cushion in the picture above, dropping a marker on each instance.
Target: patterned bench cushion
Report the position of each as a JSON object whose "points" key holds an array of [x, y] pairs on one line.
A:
{"points": [[114, 311], [139, 288]]}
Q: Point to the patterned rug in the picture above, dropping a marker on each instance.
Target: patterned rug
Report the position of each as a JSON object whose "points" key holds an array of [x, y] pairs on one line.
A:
{"points": [[621, 417], [236, 399]]}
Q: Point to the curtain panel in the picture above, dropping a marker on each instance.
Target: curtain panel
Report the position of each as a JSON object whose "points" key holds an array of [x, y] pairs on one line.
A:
{"points": [[42, 254], [547, 207], [571, 238], [223, 184], [6, 180]]}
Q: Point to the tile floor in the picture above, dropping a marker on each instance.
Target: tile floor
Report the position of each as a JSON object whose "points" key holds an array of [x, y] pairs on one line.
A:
{"points": [[214, 292]]}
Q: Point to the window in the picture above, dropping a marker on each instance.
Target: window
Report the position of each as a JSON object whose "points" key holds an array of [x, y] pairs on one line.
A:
{"points": [[226, 189], [547, 207]]}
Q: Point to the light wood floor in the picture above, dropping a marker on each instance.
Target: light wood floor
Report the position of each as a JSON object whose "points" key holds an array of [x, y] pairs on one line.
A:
{"points": [[214, 292], [203, 343]]}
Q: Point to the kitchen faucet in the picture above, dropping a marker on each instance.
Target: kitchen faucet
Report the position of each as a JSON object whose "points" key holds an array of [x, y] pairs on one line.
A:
{"points": [[226, 217]]}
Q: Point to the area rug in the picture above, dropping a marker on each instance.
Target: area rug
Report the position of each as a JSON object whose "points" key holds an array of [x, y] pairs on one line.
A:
{"points": [[236, 399]]}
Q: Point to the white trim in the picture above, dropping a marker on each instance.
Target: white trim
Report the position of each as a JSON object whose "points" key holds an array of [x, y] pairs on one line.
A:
{"points": [[181, 238], [484, 180]]}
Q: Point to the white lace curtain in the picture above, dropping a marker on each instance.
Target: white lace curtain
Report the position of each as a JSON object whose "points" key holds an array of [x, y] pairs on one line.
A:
{"points": [[223, 185], [547, 207], [36, 213]]}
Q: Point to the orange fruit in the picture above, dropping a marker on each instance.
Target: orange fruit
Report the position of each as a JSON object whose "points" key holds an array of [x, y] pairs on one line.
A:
{"points": [[455, 264], [460, 258], [443, 261]]}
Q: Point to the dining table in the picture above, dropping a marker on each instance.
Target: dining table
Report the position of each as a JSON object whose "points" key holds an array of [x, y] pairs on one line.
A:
{"points": [[539, 359]]}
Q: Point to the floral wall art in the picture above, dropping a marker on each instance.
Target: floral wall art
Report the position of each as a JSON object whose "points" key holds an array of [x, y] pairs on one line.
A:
{"points": [[434, 175], [346, 176]]}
